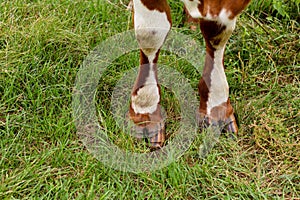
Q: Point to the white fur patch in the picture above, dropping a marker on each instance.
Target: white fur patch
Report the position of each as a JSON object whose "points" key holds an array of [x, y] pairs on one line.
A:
{"points": [[219, 89], [151, 28], [146, 100], [192, 7], [223, 18], [147, 97]]}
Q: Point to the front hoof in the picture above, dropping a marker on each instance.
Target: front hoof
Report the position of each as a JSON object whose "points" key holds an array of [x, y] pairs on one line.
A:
{"points": [[153, 134], [158, 140], [148, 127]]}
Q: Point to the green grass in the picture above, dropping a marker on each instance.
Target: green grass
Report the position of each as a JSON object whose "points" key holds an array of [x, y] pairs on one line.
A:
{"points": [[42, 46]]}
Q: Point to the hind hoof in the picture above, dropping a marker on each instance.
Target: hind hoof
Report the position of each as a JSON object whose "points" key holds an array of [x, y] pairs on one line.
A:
{"points": [[228, 125]]}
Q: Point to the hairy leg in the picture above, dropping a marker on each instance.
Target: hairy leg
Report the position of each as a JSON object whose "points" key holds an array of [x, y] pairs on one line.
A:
{"points": [[215, 105], [152, 23]]}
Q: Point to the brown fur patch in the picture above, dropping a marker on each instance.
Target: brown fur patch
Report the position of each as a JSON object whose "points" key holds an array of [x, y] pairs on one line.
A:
{"points": [[215, 6]]}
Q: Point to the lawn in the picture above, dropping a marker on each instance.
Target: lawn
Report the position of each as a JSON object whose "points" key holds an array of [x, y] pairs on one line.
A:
{"points": [[43, 45]]}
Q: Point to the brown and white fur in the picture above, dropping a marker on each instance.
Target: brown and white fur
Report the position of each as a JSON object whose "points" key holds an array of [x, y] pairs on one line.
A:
{"points": [[152, 22]]}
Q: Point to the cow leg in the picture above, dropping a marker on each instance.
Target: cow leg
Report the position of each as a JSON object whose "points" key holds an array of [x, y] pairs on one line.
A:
{"points": [[215, 105], [152, 23]]}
